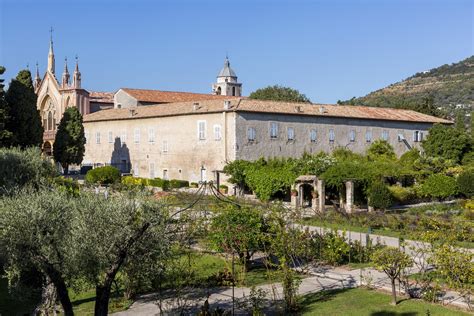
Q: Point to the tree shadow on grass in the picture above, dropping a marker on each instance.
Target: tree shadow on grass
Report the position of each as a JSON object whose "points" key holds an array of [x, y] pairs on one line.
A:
{"points": [[319, 297], [389, 313]]}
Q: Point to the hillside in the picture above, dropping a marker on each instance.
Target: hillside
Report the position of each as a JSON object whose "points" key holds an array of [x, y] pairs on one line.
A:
{"points": [[447, 88]]}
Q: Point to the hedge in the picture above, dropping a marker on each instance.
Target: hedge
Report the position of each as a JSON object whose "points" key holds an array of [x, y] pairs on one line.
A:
{"points": [[402, 195], [439, 186], [465, 182], [103, 175], [379, 195], [176, 184]]}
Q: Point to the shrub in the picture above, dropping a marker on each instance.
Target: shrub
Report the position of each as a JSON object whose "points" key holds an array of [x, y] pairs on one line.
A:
{"points": [[193, 185], [439, 186], [176, 184], [335, 248], [132, 181], [379, 195], [23, 167], [402, 195], [465, 183], [468, 159], [69, 185], [103, 175]]}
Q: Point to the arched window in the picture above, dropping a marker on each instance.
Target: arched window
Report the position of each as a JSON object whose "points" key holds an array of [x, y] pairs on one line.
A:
{"points": [[219, 91], [233, 91]]}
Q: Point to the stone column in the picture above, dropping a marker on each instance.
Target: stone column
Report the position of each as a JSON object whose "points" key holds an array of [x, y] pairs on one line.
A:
{"points": [[294, 199], [300, 196], [321, 195], [349, 196]]}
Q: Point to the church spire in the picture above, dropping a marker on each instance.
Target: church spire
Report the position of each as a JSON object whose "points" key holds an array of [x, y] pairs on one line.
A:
{"points": [[37, 81], [76, 79], [51, 66], [66, 76]]}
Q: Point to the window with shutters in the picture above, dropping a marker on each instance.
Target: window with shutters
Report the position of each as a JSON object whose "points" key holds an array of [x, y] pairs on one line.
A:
{"points": [[273, 130], [291, 133], [368, 136], [97, 137], [332, 136], [385, 135], [151, 135], [201, 130], [251, 134], [313, 135], [136, 137], [217, 132], [352, 136]]}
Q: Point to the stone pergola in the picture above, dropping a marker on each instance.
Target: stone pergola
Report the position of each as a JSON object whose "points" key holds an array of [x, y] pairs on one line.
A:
{"points": [[318, 199]]}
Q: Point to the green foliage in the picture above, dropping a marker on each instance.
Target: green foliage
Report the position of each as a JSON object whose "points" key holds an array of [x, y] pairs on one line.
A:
{"points": [[26, 167], [236, 170], [279, 93], [379, 195], [392, 261], [335, 248], [24, 120], [465, 183], [447, 142], [355, 170], [439, 186], [238, 230], [68, 185], [69, 146], [380, 149], [468, 158], [176, 184], [456, 267], [5, 134], [409, 158], [103, 175], [269, 179], [402, 195]]}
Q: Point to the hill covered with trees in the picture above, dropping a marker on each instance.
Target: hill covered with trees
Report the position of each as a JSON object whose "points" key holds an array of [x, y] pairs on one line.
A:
{"points": [[445, 88]]}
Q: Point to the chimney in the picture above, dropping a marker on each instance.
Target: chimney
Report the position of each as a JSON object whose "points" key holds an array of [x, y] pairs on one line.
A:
{"points": [[196, 106], [227, 105], [322, 109], [298, 109], [131, 112]]}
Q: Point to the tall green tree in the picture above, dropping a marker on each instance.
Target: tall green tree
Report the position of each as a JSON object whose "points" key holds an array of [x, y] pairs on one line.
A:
{"points": [[5, 134], [447, 142], [69, 146], [460, 121], [24, 119], [279, 93]]}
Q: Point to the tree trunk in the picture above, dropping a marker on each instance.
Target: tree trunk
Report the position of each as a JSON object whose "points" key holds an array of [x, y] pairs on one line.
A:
{"points": [[61, 289], [102, 293], [65, 169], [394, 293]]}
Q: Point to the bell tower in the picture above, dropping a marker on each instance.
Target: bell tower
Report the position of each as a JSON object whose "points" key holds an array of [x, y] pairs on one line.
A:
{"points": [[226, 83]]}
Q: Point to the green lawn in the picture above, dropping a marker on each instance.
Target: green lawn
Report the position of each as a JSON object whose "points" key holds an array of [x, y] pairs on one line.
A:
{"points": [[83, 303], [364, 302]]}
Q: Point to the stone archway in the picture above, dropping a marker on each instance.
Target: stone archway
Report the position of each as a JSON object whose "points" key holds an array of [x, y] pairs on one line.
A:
{"points": [[309, 191], [47, 149]]}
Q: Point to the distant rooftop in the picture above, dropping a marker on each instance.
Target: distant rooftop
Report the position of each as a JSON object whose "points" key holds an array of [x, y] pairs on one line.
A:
{"points": [[159, 96], [216, 105]]}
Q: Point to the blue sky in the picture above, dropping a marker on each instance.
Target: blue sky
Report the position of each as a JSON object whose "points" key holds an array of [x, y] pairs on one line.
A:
{"points": [[329, 50]]}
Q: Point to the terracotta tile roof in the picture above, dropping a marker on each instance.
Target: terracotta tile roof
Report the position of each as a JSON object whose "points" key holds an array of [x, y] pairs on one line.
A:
{"points": [[101, 97], [248, 105], [159, 96]]}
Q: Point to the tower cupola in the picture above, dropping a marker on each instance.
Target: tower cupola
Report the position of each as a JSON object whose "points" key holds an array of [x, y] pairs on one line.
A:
{"points": [[226, 83]]}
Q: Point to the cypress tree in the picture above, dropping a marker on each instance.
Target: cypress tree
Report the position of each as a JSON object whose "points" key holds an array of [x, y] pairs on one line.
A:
{"points": [[69, 146], [5, 134], [24, 119]]}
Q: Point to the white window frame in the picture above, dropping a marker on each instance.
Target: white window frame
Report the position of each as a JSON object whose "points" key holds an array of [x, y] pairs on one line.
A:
{"points": [[352, 135], [97, 137], [313, 136], [251, 134], [417, 136], [385, 135], [273, 130], [136, 136], [290, 131], [136, 170], [164, 146], [111, 137], [123, 137], [151, 170], [332, 135], [217, 132], [165, 174], [201, 129], [368, 136], [151, 135]]}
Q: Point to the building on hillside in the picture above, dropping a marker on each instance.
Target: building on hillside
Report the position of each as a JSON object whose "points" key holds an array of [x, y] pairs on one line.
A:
{"points": [[191, 136], [194, 140]]}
